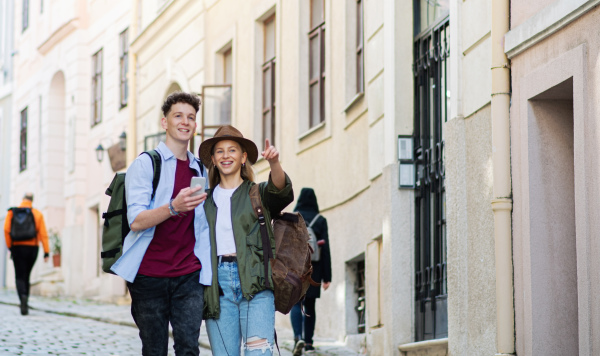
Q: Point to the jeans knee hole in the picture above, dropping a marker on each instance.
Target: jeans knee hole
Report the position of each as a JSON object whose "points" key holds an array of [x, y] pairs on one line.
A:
{"points": [[256, 343]]}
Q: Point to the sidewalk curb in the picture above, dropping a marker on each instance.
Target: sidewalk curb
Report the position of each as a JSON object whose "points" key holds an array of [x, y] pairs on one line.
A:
{"points": [[202, 344]]}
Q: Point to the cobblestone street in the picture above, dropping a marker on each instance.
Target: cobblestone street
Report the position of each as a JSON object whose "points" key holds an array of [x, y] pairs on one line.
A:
{"points": [[42, 333], [70, 326]]}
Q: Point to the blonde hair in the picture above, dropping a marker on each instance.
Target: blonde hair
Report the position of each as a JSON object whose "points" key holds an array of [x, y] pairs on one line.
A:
{"points": [[214, 177]]}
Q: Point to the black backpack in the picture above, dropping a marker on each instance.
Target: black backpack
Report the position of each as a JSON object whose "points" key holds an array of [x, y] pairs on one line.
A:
{"points": [[116, 226], [22, 226]]}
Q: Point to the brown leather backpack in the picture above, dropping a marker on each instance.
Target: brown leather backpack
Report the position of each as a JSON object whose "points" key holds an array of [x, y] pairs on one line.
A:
{"points": [[291, 267]]}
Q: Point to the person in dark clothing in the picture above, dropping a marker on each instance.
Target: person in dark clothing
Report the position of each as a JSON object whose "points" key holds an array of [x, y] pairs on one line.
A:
{"points": [[308, 207], [25, 252]]}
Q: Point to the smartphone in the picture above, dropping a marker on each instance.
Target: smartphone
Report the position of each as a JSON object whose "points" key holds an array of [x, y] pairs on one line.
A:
{"points": [[198, 182]]}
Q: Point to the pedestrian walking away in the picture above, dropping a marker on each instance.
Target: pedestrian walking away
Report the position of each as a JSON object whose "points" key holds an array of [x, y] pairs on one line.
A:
{"points": [[239, 308], [24, 229], [166, 255], [304, 324]]}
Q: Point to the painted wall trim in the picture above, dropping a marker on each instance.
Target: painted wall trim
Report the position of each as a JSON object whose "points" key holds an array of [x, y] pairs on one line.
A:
{"points": [[544, 23]]}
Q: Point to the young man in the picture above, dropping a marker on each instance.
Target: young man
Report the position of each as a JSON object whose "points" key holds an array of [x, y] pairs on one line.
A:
{"points": [[24, 252], [166, 256]]}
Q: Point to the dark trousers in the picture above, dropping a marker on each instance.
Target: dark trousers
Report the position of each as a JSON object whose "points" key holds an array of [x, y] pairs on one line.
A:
{"points": [[23, 258], [308, 321], [157, 301]]}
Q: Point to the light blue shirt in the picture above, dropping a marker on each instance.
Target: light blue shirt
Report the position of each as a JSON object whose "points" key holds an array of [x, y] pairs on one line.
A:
{"points": [[138, 191]]}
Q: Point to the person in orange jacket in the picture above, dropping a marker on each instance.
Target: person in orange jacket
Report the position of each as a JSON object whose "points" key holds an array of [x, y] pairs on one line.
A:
{"points": [[24, 252]]}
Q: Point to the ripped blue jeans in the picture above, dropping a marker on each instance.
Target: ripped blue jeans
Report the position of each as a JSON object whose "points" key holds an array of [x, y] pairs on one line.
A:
{"points": [[252, 322]]}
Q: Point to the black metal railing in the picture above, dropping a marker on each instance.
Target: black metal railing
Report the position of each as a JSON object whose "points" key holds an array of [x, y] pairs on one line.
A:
{"points": [[431, 53]]}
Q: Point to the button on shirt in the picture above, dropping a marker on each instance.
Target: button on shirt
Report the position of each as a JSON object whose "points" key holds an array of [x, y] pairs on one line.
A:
{"points": [[138, 190]]}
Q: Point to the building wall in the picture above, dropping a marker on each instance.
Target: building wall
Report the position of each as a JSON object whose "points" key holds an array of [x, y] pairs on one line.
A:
{"points": [[53, 72], [6, 88], [554, 135], [350, 159], [469, 180]]}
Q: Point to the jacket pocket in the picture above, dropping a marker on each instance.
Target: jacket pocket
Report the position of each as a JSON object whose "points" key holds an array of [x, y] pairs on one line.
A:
{"points": [[254, 238]]}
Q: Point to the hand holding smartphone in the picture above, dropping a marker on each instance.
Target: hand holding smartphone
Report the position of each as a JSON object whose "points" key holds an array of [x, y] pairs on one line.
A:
{"points": [[198, 182]]}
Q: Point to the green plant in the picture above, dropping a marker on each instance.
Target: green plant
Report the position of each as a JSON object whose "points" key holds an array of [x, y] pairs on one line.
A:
{"points": [[55, 243]]}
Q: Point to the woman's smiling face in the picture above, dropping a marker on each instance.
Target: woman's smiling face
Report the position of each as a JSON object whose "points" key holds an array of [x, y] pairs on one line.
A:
{"points": [[228, 157]]}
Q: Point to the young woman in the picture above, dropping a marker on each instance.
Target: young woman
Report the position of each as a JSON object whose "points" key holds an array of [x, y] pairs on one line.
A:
{"points": [[237, 306]]}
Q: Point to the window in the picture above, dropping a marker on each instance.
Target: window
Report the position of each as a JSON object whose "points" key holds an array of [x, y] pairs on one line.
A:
{"points": [[25, 15], [268, 92], [23, 142], [316, 40], [97, 88], [123, 67], [227, 66], [431, 53], [216, 105], [428, 13], [41, 6], [359, 289], [360, 62]]}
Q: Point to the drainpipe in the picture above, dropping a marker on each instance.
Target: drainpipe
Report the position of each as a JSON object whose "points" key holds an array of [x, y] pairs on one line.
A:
{"points": [[131, 76], [502, 201]]}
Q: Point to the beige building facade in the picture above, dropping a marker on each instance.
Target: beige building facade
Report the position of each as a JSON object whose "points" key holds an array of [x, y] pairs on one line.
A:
{"points": [[554, 133], [65, 104], [451, 148]]}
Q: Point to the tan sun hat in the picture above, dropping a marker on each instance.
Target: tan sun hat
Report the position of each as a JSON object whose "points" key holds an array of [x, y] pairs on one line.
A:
{"points": [[227, 132]]}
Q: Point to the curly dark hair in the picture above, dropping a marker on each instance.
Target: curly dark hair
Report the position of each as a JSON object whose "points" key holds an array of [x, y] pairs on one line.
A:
{"points": [[180, 97]]}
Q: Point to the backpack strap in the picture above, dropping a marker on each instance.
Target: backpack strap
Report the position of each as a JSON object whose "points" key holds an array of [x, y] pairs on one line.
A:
{"points": [[314, 220], [156, 167], [267, 250]]}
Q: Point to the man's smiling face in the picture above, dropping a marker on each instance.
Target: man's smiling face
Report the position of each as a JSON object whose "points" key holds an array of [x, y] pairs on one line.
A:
{"points": [[180, 122]]}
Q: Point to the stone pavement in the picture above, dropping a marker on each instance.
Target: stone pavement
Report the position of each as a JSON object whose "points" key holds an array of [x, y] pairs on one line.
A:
{"points": [[76, 320]]}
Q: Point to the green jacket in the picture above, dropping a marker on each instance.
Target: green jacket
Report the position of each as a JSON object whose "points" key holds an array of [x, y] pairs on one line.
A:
{"points": [[248, 240]]}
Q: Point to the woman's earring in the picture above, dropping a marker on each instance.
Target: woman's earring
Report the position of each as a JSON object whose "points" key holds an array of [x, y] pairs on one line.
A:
{"points": [[244, 164]]}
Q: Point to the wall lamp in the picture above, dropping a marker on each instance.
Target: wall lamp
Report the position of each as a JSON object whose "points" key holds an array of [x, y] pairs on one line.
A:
{"points": [[123, 141], [406, 162], [122, 145], [99, 153]]}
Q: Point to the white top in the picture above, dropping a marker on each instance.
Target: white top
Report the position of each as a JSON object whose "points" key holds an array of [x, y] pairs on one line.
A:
{"points": [[224, 228]]}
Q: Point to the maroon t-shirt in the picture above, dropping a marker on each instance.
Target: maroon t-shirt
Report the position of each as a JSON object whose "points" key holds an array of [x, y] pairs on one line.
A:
{"points": [[171, 251]]}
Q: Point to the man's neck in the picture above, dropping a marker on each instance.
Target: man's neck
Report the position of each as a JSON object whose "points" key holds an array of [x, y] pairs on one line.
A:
{"points": [[179, 149], [231, 182]]}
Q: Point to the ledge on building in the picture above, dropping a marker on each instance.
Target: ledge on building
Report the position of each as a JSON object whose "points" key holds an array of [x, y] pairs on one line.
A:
{"points": [[437, 347]]}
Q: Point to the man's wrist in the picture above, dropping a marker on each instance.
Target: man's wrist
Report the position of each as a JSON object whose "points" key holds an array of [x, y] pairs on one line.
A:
{"points": [[172, 210]]}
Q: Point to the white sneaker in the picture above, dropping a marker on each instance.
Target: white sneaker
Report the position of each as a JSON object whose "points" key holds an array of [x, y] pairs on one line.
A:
{"points": [[298, 348]]}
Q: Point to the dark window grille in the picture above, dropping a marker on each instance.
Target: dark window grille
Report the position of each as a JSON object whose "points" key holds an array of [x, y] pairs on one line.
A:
{"points": [[360, 62], [25, 18], [268, 70], [123, 67], [316, 80], [359, 289], [97, 88], [23, 142], [431, 53]]}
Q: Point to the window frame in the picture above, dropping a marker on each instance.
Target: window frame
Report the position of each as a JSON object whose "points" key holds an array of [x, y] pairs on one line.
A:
{"points": [[96, 117], [318, 31], [123, 68], [25, 16], [268, 72], [360, 58], [23, 141]]}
